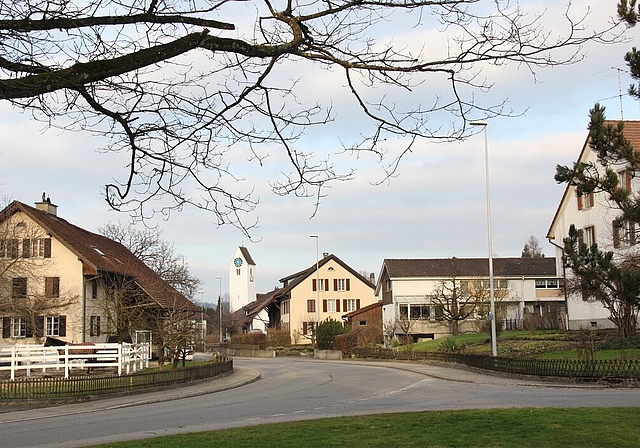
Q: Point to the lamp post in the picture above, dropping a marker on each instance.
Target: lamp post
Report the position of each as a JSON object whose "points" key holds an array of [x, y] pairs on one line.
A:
{"points": [[220, 305], [317, 284], [203, 322], [494, 347]]}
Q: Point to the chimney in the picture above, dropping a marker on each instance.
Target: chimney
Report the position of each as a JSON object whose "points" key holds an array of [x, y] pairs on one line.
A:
{"points": [[372, 278], [325, 254], [46, 206]]}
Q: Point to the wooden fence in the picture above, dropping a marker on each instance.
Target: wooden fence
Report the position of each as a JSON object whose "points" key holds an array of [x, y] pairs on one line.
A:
{"points": [[74, 387], [605, 370], [124, 358]]}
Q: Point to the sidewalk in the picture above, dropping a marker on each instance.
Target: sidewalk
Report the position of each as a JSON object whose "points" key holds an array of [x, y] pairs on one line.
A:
{"points": [[239, 377]]}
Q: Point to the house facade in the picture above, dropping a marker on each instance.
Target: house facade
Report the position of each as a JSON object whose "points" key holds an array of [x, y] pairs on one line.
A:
{"points": [[594, 217], [315, 295], [418, 293], [55, 279]]}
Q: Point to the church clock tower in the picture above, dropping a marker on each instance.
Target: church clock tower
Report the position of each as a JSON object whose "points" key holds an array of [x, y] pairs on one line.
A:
{"points": [[242, 284]]}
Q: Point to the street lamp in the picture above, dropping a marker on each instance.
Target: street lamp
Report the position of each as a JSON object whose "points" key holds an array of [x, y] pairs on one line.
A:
{"points": [[203, 322], [220, 306], [494, 347], [317, 283]]}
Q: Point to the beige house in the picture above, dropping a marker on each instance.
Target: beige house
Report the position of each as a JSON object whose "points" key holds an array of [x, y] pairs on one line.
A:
{"points": [[315, 295], [55, 279], [417, 293]]}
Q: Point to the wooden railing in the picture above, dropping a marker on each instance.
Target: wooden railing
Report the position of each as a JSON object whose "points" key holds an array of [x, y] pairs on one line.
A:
{"points": [[610, 370], [124, 358], [74, 387]]}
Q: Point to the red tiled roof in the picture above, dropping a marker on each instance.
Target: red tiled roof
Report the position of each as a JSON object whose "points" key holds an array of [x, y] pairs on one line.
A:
{"points": [[99, 253]]}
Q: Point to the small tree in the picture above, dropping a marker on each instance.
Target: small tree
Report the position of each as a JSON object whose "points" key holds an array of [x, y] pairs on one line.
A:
{"points": [[327, 332], [458, 300]]}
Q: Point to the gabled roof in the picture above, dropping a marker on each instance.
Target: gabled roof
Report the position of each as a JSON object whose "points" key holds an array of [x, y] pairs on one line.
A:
{"points": [[364, 309], [101, 254], [468, 267], [252, 309], [293, 280], [247, 256], [631, 132]]}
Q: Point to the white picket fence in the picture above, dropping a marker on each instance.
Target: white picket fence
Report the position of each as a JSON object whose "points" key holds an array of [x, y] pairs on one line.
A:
{"points": [[125, 358]]}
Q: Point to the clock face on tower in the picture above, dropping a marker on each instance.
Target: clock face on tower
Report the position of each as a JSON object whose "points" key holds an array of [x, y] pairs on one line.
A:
{"points": [[238, 262]]}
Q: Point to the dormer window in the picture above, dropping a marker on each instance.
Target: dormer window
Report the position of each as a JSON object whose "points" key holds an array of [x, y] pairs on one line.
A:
{"points": [[99, 251]]}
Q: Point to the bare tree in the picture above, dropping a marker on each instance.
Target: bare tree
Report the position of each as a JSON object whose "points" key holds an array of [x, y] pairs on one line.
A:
{"points": [[532, 248], [177, 89], [458, 300], [147, 244], [389, 329]]}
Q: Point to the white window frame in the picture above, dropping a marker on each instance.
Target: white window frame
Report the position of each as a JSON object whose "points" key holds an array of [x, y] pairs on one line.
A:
{"points": [[341, 284], [18, 327], [351, 305], [52, 326], [331, 305]]}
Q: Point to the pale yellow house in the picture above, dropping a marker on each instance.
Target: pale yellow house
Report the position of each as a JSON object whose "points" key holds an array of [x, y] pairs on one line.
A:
{"points": [[55, 277], [315, 295]]}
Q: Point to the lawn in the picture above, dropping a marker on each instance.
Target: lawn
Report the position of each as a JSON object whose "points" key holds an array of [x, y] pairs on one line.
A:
{"points": [[529, 427]]}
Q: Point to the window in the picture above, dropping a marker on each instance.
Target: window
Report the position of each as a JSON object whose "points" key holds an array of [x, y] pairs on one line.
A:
{"points": [[341, 284], [41, 247], [552, 283], [19, 288], [307, 328], [52, 326], [311, 306], [52, 287], [585, 200], [323, 284], [285, 307], [9, 248], [330, 305], [351, 305], [419, 312], [586, 236], [94, 289], [624, 179], [363, 323], [94, 327], [404, 311], [18, 327], [624, 233]]}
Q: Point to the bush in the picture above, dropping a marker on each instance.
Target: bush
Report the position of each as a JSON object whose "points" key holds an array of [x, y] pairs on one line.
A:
{"points": [[327, 332], [279, 338], [451, 345], [252, 338]]}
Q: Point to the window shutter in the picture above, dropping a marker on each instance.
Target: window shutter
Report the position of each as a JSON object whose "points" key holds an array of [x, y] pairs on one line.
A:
{"points": [[14, 248], [579, 201], [62, 329], [357, 304], [616, 233], [6, 327], [324, 305], [627, 178], [344, 305], [326, 284], [335, 284], [47, 248], [28, 329], [39, 327], [348, 284], [26, 248], [315, 285], [338, 305], [580, 239], [304, 328]]}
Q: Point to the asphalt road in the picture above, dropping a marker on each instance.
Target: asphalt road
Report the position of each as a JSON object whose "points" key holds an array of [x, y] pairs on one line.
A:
{"points": [[291, 389]]}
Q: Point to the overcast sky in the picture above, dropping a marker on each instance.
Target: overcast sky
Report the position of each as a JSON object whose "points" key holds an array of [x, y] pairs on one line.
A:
{"points": [[435, 208]]}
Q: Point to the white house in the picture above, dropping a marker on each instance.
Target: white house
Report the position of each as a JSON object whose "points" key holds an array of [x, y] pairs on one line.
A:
{"points": [[408, 289], [593, 216]]}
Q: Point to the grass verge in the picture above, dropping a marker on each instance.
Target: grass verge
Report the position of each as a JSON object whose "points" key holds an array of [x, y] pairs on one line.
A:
{"points": [[529, 427]]}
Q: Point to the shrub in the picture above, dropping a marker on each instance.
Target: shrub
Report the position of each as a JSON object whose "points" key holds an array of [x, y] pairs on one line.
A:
{"points": [[451, 345], [279, 338], [327, 332], [252, 338]]}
